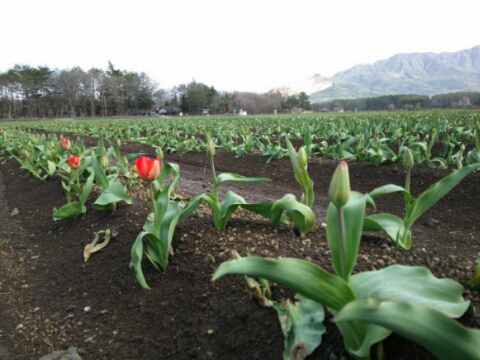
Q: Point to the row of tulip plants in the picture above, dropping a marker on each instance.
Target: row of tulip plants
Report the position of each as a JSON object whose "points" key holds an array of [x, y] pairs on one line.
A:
{"points": [[375, 137], [367, 306]]}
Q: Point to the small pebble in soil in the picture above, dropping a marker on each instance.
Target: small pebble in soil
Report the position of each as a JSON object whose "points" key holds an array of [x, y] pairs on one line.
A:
{"points": [[70, 354], [430, 222]]}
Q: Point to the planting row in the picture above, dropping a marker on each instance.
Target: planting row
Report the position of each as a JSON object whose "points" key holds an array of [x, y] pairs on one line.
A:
{"points": [[378, 138]]}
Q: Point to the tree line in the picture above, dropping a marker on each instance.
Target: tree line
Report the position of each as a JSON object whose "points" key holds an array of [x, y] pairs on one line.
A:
{"points": [[191, 98], [41, 92], [406, 102]]}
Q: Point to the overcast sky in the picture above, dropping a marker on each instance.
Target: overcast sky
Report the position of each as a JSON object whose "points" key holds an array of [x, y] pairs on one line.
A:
{"points": [[233, 45]]}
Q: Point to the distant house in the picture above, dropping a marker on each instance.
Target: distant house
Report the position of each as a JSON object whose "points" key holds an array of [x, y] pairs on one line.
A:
{"points": [[172, 109], [166, 110]]}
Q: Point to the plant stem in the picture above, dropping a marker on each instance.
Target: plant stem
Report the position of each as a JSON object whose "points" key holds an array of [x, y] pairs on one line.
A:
{"points": [[342, 242], [78, 181], [214, 179], [407, 181], [152, 197]]}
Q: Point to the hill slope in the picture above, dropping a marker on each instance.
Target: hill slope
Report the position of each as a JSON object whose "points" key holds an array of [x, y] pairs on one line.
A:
{"points": [[416, 73]]}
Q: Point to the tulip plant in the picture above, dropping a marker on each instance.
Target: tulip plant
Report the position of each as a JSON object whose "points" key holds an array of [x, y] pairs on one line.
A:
{"points": [[475, 282], [368, 306], [301, 321], [222, 211], [74, 209], [398, 229], [473, 155], [159, 228], [112, 190], [298, 212]]}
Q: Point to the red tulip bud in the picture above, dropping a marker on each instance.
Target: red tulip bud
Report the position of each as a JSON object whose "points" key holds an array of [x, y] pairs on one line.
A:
{"points": [[74, 161], [148, 169], [65, 144]]}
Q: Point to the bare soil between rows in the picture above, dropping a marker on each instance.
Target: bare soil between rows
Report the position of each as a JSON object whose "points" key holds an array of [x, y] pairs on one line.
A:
{"points": [[45, 284]]}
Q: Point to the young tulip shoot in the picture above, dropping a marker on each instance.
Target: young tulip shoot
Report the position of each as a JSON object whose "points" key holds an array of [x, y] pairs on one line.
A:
{"points": [[104, 161], [339, 192], [303, 157], [210, 148], [408, 163]]}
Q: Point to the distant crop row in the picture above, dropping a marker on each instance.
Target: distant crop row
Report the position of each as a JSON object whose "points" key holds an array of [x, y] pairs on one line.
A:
{"points": [[376, 137]]}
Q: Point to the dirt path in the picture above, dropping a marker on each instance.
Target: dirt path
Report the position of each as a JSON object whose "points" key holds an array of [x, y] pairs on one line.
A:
{"points": [[12, 253]]}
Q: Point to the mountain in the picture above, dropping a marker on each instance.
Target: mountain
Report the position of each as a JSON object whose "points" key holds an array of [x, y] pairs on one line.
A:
{"points": [[416, 73], [316, 83]]}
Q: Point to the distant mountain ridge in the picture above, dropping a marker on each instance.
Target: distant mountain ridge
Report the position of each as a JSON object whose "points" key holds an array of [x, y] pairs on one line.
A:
{"points": [[416, 73]]}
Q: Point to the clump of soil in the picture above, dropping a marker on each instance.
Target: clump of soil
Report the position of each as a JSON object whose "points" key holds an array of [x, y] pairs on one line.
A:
{"points": [[51, 299]]}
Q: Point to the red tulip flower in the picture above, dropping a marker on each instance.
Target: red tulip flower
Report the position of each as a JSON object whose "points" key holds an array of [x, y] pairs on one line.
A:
{"points": [[65, 144], [1, 131], [74, 161], [148, 169], [105, 126]]}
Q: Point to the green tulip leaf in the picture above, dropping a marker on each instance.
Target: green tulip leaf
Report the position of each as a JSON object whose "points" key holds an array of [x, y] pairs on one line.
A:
{"points": [[473, 156], [433, 194], [302, 215], [137, 254], [358, 337], [133, 157], [87, 189], [100, 176], [392, 225], [113, 194], [52, 167], [302, 325], [167, 170], [475, 282], [385, 190], [223, 177], [264, 209], [300, 276], [69, 211], [442, 336], [413, 285], [353, 213], [157, 252]]}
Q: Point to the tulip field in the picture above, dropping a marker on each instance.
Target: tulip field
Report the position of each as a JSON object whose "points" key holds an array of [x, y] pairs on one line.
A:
{"points": [[320, 236]]}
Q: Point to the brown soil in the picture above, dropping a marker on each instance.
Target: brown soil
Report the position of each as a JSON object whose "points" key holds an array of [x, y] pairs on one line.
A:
{"points": [[46, 285]]}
